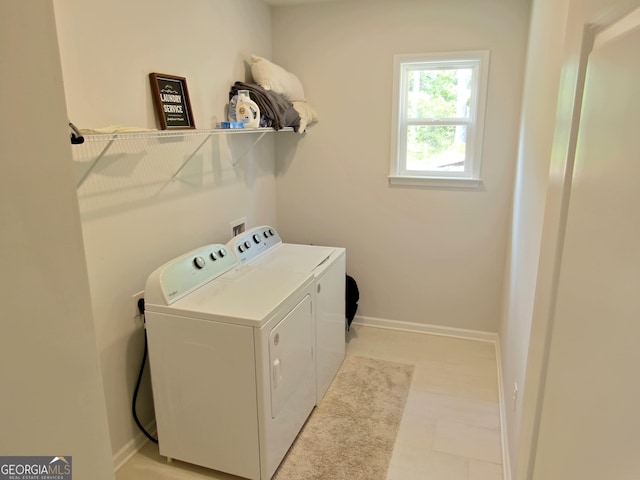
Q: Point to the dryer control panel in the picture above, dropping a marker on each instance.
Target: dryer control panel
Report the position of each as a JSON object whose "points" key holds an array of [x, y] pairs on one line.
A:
{"points": [[253, 243]]}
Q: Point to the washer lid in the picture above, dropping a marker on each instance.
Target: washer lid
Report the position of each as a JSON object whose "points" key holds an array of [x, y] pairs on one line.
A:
{"points": [[294, 257], [247, 296]]}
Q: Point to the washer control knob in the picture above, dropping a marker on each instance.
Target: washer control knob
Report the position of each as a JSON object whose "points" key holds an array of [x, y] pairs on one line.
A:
{"points": [[271, 232], [241, 248], [247, 244], [221, 253], [212, 256], [256, 238], [199, 262]]}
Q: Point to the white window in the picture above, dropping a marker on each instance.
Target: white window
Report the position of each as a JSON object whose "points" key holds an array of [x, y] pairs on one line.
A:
{"points": [[438, 117]]}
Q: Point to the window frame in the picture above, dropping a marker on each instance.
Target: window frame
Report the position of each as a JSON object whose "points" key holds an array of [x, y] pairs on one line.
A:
{"points": [[478, 60]]}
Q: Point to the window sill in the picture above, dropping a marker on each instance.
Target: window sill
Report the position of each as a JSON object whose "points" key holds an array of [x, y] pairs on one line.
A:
{"points": [[451, 182]]}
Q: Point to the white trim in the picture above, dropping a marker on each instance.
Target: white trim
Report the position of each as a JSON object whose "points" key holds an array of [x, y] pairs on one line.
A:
{"points": [[425, 328], [415, 181], [478, 60], [504, 437], [617, 28], [133, 446]]}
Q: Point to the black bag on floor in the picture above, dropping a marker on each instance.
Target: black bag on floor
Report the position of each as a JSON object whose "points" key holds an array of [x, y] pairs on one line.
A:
{"points": [[352, 295]]}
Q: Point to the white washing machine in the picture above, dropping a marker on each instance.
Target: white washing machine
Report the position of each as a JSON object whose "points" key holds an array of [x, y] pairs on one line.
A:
{"points": [[232, 360], [262, 247]]}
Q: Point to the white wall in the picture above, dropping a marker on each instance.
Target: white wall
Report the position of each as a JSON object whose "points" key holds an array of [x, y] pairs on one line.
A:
{"points": [[540, 96], [589, 422], [52, 400], [540, 215], [429, 256], [133, 218]]}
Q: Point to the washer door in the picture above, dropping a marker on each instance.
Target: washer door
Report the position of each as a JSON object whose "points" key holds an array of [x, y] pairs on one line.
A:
{"points": [[290, 353]]}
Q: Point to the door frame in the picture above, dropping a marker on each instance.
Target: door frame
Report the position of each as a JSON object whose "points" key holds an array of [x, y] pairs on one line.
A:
{"points": [[537, 363]]}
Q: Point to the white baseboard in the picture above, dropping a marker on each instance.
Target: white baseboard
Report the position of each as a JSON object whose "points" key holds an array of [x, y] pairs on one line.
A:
{"points": [[425, 328], [133, 446], [458, 333], [506, 462]]}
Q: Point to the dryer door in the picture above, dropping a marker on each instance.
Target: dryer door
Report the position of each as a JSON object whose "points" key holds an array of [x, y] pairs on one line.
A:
{"points": [[290, 353]]}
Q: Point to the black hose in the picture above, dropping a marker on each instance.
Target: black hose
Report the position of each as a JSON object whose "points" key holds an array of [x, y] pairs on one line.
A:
{"points": [[135, 393]]}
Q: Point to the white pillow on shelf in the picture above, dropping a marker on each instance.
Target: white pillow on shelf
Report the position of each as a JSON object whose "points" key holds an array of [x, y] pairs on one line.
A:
{"points": [[308, 115], [275, 78]]}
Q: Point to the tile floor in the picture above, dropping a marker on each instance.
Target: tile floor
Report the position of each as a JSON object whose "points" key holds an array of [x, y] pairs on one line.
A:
{"points": [[450, 429]]}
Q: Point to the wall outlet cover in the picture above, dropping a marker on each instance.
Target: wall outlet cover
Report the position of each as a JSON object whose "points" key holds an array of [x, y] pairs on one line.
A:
{"points": [[238, 226]]}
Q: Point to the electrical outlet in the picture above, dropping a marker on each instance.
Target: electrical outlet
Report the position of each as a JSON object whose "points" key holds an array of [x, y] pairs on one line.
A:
{"points": [[515, 394], [134, 301], [238, 226]]}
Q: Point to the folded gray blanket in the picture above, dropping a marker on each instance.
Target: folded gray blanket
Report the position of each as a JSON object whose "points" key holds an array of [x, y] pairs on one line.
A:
{"points": [[274, 108]]}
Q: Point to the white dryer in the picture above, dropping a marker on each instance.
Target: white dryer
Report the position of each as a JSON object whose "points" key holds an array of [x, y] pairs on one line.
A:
{"points": [[261, 247], [231, 352]]}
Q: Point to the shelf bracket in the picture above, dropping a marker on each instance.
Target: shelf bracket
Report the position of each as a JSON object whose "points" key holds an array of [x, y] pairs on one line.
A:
{"points": [[241, 157], [95, 162], [184, 164]]}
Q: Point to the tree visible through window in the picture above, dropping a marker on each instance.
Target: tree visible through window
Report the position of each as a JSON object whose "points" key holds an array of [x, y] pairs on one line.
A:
{"points": [[438, 111]]}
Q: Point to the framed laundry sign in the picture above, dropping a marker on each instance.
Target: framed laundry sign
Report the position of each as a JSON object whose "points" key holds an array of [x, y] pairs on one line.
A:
{"points": [[171, 101]]}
